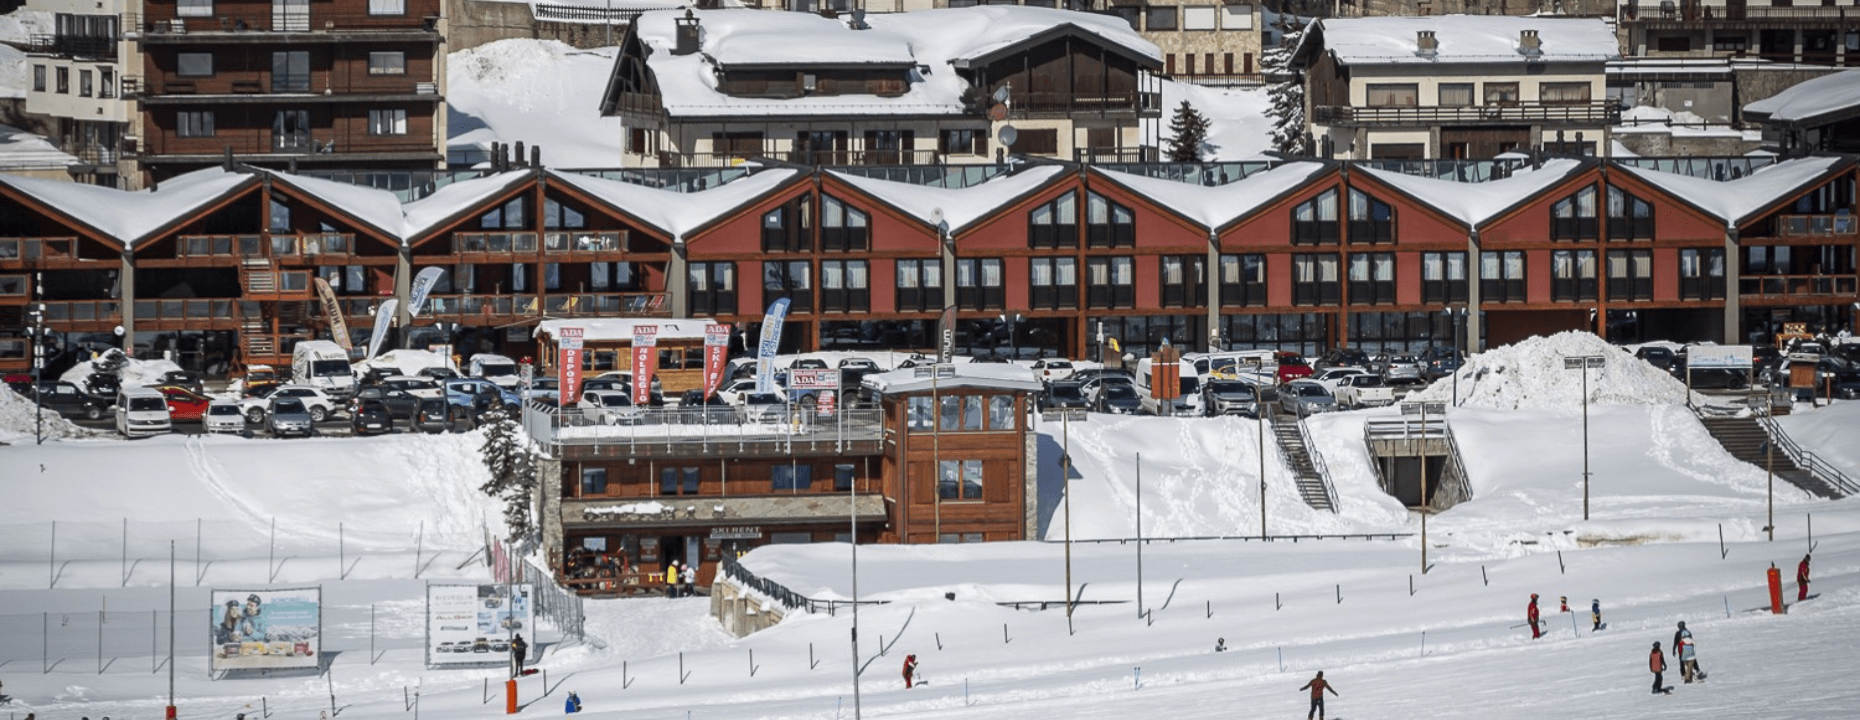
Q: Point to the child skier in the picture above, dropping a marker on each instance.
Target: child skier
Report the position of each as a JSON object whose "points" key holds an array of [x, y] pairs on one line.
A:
{"points": [[1657, 663], [1595, 614], [1530, 615], [1801, 580]]}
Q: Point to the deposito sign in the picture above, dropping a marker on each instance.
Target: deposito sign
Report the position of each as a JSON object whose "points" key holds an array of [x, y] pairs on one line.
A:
{"points": [[568, 363], [266, 629], [473, 624]]}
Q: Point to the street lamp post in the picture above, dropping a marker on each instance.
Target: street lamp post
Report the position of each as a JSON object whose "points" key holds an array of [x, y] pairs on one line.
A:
{"points": [[1013, 323], [1458, 316], [1583, 363], [37, 314], [1261, 412]]}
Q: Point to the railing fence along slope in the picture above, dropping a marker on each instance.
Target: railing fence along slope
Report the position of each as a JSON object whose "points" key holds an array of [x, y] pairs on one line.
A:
{"points": [[1807, 460], [1317, 462]]}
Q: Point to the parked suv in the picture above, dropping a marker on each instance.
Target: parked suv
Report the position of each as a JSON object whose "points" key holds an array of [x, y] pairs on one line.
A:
{"points": [[141, 412], [67, 400], [1230, 397], [1306, 397]]}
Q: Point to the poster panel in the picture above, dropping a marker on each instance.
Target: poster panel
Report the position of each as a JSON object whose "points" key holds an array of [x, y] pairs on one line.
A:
{"points": [[645, 359], [473, 624], [716, 346], [1730, 357], [568, 364], [266, 629]]}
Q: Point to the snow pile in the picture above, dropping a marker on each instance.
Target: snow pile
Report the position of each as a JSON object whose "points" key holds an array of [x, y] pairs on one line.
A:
{"points": [[1239, 121], [1807, 100], [21, 149], [1827, 432], [406, 361], [1530, 375], [134, 373], [14, 74], [16, 420], [542, 93], [651, 507]]}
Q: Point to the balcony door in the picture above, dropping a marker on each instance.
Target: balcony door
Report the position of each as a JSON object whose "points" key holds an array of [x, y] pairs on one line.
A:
{"points": [[290, 71], [290, 15], [290, 131]]}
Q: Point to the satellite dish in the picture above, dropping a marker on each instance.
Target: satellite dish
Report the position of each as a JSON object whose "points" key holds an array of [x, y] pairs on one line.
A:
{"points": [[1007, 135], [1001, 94], [936, 216]]}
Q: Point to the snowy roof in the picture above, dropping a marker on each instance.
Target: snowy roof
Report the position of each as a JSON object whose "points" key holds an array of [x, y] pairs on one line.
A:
{"points": [[983, 376], [1733, 201], [609, 329], [1808, 102], [1476, 203], [960, 206], [1215, 207], [131, 217], [1465, 39], [933, 39], [378, 209], [677, 213], [421, 216]]}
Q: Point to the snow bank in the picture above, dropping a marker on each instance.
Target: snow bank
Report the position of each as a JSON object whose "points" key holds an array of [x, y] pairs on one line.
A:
{"points": [[1827, 432], [1239, 119], [16, 423], [543, 93], [134, 373], [406, 361], [1529, 375]]}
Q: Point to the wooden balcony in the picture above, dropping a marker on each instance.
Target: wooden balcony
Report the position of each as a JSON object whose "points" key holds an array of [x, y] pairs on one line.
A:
{"points": [[1797, 289], [37, 253], [1814, 226], [188, 314], [1598, 112], [287, 25], [607, 305]]}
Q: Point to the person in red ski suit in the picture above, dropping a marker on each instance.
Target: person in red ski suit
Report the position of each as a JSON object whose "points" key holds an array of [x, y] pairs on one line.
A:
{"points": [[1530, 613], [910, 670], [1801, 580]]}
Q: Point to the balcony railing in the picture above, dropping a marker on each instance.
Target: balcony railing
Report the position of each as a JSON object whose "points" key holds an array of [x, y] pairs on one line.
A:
{"points": [[1787, 286], [1696, 12], [607, 305], [1598, 112], [83, 311], [574, 241], [1814, 225], [209, 309], [681, 432], [322, 142], [34, 250], [72, 45], [155, 28], [865, 157], [494, 243], [1144, 154], [461, 305]]}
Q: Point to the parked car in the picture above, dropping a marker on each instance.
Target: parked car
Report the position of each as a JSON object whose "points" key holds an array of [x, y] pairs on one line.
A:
{"points": [[544, 390], [1063, 395], [435, 416], [257, 378], [609, 407], [1088, 374], [1400, 387], [1399, 366], [371, 417], [1302, 398], [1365, 390], [1334, 377], [858, 363], [808, 364], [397, 403], [184, 404], [67, 400], [223, 416], [1441, 361], [287, 416], [734, 391], [319, 403], [1292, 366], [1053, 369], [480, 395], [1342, 358], [762, 408], [1658, 356], [438, 373], [1113, 394], [695, 408], [421, 387], [183, 379], [20, 383], [141, 412], [1230, 397]]}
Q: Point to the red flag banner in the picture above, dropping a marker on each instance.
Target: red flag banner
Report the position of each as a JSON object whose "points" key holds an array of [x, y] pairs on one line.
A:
{"points": [[716, 350], [645, 358], [568, 364]]}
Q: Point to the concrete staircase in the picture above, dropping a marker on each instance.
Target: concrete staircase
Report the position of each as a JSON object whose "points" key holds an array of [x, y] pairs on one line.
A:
{"points": [[1746, 440], [1312, 485]]}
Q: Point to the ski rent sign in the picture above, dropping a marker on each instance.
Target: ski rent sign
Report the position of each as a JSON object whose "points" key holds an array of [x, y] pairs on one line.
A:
{"points": [[645, 351], [568, 365]]}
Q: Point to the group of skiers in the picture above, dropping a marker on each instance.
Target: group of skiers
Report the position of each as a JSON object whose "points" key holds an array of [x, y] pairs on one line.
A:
{"points": [[1685, 652], [1533, 619], [680, 579]]}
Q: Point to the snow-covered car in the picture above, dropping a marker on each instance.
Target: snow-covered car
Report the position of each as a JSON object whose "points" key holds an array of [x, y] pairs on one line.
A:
{"points": [[1363, 390], [1052, 369], [319, 403], [1305, 397], [223, 416], [608, 407], [287, 416]]}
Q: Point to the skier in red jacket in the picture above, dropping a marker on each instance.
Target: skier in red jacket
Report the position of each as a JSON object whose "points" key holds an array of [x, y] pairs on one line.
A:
{"points": [[1530, 613], [910, 671], [1801, 580]]}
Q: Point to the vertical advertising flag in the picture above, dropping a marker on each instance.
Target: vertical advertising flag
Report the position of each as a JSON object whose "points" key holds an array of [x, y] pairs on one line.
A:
{"points": [[645, 357], [422, 286], [568, 363], [716, 350], [771, 339], [384, 316], [946, 335], [338, 327]]}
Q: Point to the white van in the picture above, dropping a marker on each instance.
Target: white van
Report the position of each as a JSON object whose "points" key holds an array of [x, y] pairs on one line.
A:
{"points": [[1257, 366], [323, 365], [142, 412], [1186, 402], [495, 368]]}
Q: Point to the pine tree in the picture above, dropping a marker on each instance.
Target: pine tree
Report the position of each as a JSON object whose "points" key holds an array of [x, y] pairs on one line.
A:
{"points": [[512, 466], [1190, 130], [1289, 134]]}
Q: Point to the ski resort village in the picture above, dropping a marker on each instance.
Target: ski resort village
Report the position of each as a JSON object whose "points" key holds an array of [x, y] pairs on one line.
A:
{"points": [[1094, 359]]}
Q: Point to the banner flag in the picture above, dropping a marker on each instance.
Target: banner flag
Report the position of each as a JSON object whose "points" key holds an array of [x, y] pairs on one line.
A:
{"points": [[645, 358], [338, 327], [716, 352], [384, 316], [422, 286], [771, 339], [568, 364]]}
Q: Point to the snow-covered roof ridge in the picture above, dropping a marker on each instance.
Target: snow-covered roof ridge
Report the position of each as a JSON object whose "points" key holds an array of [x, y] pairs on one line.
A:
{"points": [[960, 207], [1805, 101], [425, 214], [1468, 39], [678, 214], [132, 217], [987, 376], [1733, 201], [1215, 207], [1477, 203], [378, 209]]}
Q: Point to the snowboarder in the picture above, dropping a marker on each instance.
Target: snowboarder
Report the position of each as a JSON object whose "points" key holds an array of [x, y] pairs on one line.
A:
{"points": [[573, 705], [518, 649], [910, 671], [1686, 652], [1657, 663], [1530, 615], [1317, 686], [1595, 614], [1801, 580], [1220, 644]]}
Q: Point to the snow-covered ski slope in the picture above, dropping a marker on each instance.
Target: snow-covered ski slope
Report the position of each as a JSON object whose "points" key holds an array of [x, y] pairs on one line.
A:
{"points": [[1452, 645]]}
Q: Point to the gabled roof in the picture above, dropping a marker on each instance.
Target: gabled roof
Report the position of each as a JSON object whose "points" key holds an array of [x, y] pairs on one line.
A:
{"points": [[426, 215], [735, 38], [1461, 39], [1219, 206], [1736, 201], [960, 207], [132, 217], [1823, 100], [378, 210], [678, 214], [1474, 204]]}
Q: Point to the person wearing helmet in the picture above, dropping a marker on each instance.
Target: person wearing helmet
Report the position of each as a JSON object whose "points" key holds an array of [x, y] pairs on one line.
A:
{"points": [[1530, 616], [1657, 663], [910, 671], [1595, 614], [1801, 580]]}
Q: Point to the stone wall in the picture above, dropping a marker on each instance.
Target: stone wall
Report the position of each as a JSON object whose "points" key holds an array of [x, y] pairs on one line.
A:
{"points": [[477, 22], [738, 613], [1757, 84], [1662, 144]]}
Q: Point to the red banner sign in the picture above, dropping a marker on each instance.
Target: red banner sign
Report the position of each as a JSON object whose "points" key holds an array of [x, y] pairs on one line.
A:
{"points": [[645, 358], [568, 364], [716, 350]]}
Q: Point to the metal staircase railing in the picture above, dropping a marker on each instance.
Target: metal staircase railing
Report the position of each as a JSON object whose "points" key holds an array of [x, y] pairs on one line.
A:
{"points": [[1317, 463], [1806, 460]]}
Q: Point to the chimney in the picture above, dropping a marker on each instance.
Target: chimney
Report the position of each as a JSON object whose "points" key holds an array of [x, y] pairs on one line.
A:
{"points": [[227, 164], [687, 34], [1425, 44], [536, 156], [516, 158], [1529, 45]]}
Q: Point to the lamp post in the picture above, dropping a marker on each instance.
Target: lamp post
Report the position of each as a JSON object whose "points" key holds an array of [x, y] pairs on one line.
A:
{"points": [[1458, 317], [1065, 463], [1012, 320], [37, 315], [1583, 363], [1261, 412]]}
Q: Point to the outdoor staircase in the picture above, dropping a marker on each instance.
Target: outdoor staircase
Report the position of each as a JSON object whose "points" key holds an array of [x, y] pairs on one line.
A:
{"points": [[1312, 485], [1746, 440]]}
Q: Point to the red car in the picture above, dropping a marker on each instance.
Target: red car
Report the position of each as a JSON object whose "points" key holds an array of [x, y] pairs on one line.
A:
{"points": [[1292, 366], [184, 404]]}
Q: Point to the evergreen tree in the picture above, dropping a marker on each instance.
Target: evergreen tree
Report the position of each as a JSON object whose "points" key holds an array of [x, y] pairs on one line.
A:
{"points": [[511, 462], [1289, 133], [1190, 131]]}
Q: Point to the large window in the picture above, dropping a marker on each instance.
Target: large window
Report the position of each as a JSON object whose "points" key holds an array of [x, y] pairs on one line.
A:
{"points": [[792, 279], [1314, 279], [1572, 275], [194, 8], [1456, 94], [1501, 276], [960, 479], [1629, 217], [678, 481], [843, 475], [1108, 224], [63, 78], [1563, 93], [1701, 274], [1053, 283], [843, 227], [290, 71], [1314, 221], [963, 142], [1573, 217], [1371, 220], [979, 284], [1159, 18], [1001, 412], [387, 62], [194, 124], [845, 286], [594, 481], [1501, 93], [1110, 282], [786, 228], [1184, 281], [889, 147], [193, 64], [38, 78], [1054, 224], [922, 415], [793, 477], [387, 7], [1443, 277], [387, 122], [1393, 95], [920, 285], [712, 289], [1372, 279], [1630, 275], [1243, 280]]}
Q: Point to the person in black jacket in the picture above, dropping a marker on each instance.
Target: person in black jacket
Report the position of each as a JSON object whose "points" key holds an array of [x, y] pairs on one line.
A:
{"points": [[519, 648]]}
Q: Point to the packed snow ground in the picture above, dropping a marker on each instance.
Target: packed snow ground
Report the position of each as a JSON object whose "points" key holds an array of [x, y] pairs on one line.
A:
{"points": [[1451, 645], [543, 93]]}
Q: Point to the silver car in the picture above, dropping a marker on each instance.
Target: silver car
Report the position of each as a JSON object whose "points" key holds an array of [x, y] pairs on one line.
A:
{"points": [[223, 416], [1230, 397], [1306, 397], [288, 416], [1404, 366]]}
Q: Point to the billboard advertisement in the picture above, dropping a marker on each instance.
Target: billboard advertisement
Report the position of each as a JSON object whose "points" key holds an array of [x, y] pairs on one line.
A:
{"points": [[473, 624], [1730, 357], [266, 629]]}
